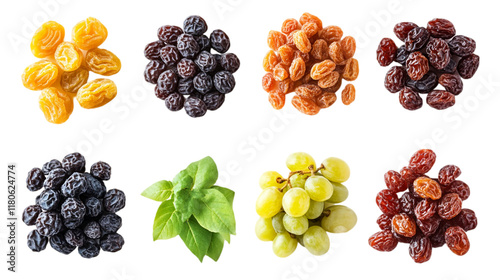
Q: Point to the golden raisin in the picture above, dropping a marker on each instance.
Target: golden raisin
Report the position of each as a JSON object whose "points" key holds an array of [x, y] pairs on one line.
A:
{"points": [[305, 105], [290, 25], [286, 86], [40, 75], [268, 82], [331, 34], [310, 28], [301, 41], [329, 80], [96, 93], [320, 49], [270, 61], [348, 45], [307, 17], [275, 39], [351, 70], [277, 99], [336, 53], [348, 94], [404, 225], [55, 105], [72, 81], [297, 69], [322, 69], [289, 39], [308, 91], [46, 39], [427, 188], [326, 100], [286, 54], [304, 56], [103, 62], [89, 33], [279, 72], [68, 56]]}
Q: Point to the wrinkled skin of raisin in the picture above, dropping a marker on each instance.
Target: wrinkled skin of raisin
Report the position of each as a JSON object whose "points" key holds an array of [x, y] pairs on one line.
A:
{"points": [[388, 202], [75, 185], [230, 62], [74, 237], [305, 105], [95, 187], [93, 206], [440, 99], [383, 241], [422, 161], [438, 52], [112, 242], [55, 179], [395, 79], [220, 41], [58, 242], [92, 230], [417, 66], [114, 200], [467, 67], [386, 52], [186, 68], [425, 209], [407, 203], [73, 224], [425, 85], [441, 28], [457, 240], [73, 209], [429, 226], [427, 188], [384, 221], [460, 188], [153, 71], [404, 225], [74, 162], [195, 107], [169, 34], [462, 46], [168, 81], [448, 174], [90, 249], [152, 50], [185, 87], [203, 83], [36, 241], [437, 238], [214, 100], [467, 219], [420, 249], [451, 83], [170, 55], [394, 181], [224, 82], [408, 175], [205, 61], [449, 206], [49, 166], [409, 99], [49, 200], [416, 39], [101, 170], [48, 223], [174, 101], [110, 223], [195, 25], [401, 55], [187, 46], [30, 214], [403, 28], [35, 179]]}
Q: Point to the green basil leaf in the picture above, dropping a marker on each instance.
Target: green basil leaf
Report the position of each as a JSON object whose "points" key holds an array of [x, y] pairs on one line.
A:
{"points": [[187, 202], [196, 238], [229, 194], [159, 191], [182, 181], [216, 213], [204, 172], [167, 223], [216, 246]]}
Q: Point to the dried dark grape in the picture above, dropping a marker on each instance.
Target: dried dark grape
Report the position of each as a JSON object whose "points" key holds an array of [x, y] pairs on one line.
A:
{"points": [[438, 52], [74, 162], [466, 220], [110, 223], [174, 101], [170, 55], [213, 100], [187, 46], [403, 28], [153, 71], [452, 83], [92, 230], [409, 99], [203, 82], [75, 185], [73, 209], [451, 67], [407, 203], [386, 52], [195, 25], [417, 66], [169, 33], [408, 175], [90, 249], [440, 99], [400, 238], [58, 242], [30, 214], [449, 206], [112, 242], [460, 188], [448, 174], [206, 62], [430, 226], [224, 82], [36, 241], [152, 50], [114, 200], [35, 179], [72, 223], [462, 46], [388, 202], [383, 241], [425, 85], [457, 240], [394, 181], [467, 67], [95, 187], [220, 41], [422, 161], [186, 68], [101, 170], [55, 179], [384, 221], [195, 107], [168, 81], [185, 86], [49, 200], [49, 166], [441, 28], [395, 79], [437, 239], [230, 62], [401, 55], [48, 223], [416, 39], [93, 206], [74, 237], [425, 209], [204, 42], [420, 249]]}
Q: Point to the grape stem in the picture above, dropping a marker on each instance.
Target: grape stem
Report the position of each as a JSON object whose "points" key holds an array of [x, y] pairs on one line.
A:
{"points": [[310, 170]]}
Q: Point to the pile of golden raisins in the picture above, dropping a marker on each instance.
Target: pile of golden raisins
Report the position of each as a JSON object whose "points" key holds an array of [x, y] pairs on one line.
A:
{"points": [[63, 71], [310, 60]]}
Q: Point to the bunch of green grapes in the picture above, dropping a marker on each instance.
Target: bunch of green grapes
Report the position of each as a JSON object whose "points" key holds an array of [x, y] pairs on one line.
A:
{"points": [[302, 207]]}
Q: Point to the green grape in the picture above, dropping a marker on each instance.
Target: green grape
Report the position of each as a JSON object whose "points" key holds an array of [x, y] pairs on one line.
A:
{"points": [[264, 229], [336, 170], [278, 222], [318, 188], [316, 241], [341, 219], [315, 209], [300, 161], [296, 202], [300, 239], [269, 179], [284, 245], [295, 225], [269, 202], [340, 193], [298, 180]]}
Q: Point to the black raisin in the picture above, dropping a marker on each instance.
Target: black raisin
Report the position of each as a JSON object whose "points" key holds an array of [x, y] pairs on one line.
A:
{"points": [[75, 185], [462, 45], [451, 67], [101, 170], [213, 100], [425, 85], [174, 101], [203, 82], [168, 81], [49, 166], [402, 55], [72, 223], [110, 223], [230, 62], [49, 200], [30, 214], [152, 50], [95, 187], [36, 241], [74, 162], [195, 107], [59, 243], [48, 223], [90, 249], [93, 206], [203, 42], [416, 39], [220, 41], [187, 46], [114, 200], [206, 62], [153, 71], [467, 67], [169, 33], [92, 230], [186, 68], [73, 209], [55, 179], [170, 55], [161, 94], [112, 242], [224, 82], [185, 86], [35, 179], [74, 237], [195, 25]]}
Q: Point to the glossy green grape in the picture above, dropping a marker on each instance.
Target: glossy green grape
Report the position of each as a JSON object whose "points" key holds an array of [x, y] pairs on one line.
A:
{"points": [[336, 170], [269, 179], [295, 225], [300, 161], [298, 180], [264, 229], [284, 245], [300, 239], [316, 241], [341, 219], [278, 222], [340, 193], [269, 202], [315, 209], [296, 202], [318, 188]]}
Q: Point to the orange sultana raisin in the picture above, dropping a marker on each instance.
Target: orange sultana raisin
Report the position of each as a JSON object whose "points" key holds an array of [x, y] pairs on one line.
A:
{"points": [[46, 39], [310, 28], [301, 41], [305, 56], [275, 39], [305, 105], [348, 45], [331, 34], [336, 54], [322, 69], [72, 81], [68, 56], [290, 25], [89, 33], [270, 61], [286, 54], [351, 70], [297, 69], [326, 100], [279, 72], [329, 80], [55, 105], [348, 94], [102, 62], [277, 99], [286, 86], [96, 93], [319, 50], [40, 75], [268, 82], [307, 17], [310, 91]]}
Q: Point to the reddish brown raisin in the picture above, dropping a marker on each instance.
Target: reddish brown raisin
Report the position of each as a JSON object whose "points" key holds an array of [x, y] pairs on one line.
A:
{"points": [[457, 240], [409, 99], [386, 52], [429, 226], [438, 53], [404, 225], [417, 66], [425, 209], [440, 99], [394, 181], [395, 79], [462, 45], [441, 28], [460, 188], [416, 39], [384, 221], [451, 83], [448, 174], [407, 203], [420, 249], [449, 206], [437, 238], [422, 161], [403, 28], [467, 67], [427, 188], [383, 241], [408, 176], [388, 202], [466, 220]]}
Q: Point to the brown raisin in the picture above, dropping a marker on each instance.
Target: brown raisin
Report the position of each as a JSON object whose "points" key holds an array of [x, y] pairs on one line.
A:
{"points": [[416, 39], [384, 221], [438, 52], [394, 181], [336, 54], [348, 45], [467, 67], [403, 28], [72, 81], [308, 91], [448, 174], [351, 70], [408, 175], [466, 219], [441, 28], [383, 241], [427, 188], [329, 80], [386, 52], [462, 45], [420, 249], [429, 226], [388, 202], [395, 79], [425, 209], [404, 225], [440, 99], [417, 66], [407, 203], [409, 99], [331, 34], [449, 206], [305, 105], [460, 188], [451, 83], [457, 240], [422, 161], [286, 86]]}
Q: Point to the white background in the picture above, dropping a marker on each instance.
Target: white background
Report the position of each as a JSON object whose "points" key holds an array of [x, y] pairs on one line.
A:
{"points": [[144, 142]]}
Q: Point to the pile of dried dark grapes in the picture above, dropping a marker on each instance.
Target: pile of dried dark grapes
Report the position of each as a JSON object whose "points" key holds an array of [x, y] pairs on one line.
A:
{"points": [[74, 209], [429, 56], [187, 75], [428, 214]]}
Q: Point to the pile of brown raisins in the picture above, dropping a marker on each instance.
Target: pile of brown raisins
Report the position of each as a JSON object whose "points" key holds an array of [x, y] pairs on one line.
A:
{"points": [[186, 74], [428, 214], [429, 56], [63, 71], [310, 60]]}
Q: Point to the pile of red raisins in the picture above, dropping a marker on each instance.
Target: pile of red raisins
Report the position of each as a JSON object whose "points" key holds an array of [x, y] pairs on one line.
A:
{"points": [[429, 56], [428, 214], [186, 74]]}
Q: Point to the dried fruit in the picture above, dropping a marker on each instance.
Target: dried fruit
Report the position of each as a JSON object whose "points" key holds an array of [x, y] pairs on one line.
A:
{"points": [[440, 99], [153, 71], [40, 75], [441, 28], [422, 161], [331, 34], [404, 225], [394, 181], [384, 222], [46, 39], [275, 40], [467, 67], [301, 41], [416, 39], [460, 188], [322, 69], [425, 85], [277, 99], [351, 70], [329, 80], [326, 100], [195, 25], [386, 52], [68, 56], [102, 62], [452, 83], [96, 93], [36, 241], [89, 34], [462, 45], [457, 240], [305, 105], [395, 79], [290, 25], [72, 81], [427, 188], [466, 219], [270, 61], [383, 241], [417, 66], [409, 99], [425, 209], [280, 72], [407, 203], [169, 34], [388, 202], [297, 69], [348, 94], [101, 170], [348, 45], [420, 249], [152, 50], [195, 107], [308, 91], [438, 52], [429, 226], [448, 174], [55, 105], [319, 50], [34, 181], [403, 28], [219, 41], [48, 223], [449, 206]]}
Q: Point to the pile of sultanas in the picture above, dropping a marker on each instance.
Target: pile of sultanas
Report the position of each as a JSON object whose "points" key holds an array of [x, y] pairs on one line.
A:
{"points": [[74, 209], [187, 75], [429, 56]]}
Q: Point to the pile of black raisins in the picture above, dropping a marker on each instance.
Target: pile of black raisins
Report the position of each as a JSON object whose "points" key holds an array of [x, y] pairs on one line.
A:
{"points": [[187, 75], [74, 208], [429, 56]]}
